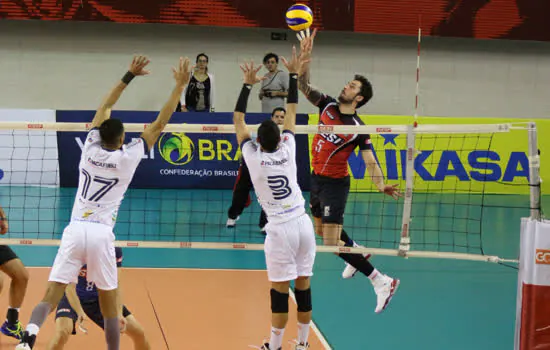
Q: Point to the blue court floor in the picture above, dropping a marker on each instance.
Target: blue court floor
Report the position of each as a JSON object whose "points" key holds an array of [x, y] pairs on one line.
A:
{"points": [[441, 304]]}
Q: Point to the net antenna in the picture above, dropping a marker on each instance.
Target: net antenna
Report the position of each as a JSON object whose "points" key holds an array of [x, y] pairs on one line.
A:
{"points": [[404, 244]]}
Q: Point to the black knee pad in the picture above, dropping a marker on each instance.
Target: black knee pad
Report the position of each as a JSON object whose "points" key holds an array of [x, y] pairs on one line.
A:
{"points": [[279, 302], [303, 299]]}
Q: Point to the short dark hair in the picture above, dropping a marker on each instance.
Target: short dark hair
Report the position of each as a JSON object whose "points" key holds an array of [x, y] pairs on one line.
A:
{"points": [[366, 90], [202, 54], [278, 109], [270, 56], [269, 135], [110, 131]]}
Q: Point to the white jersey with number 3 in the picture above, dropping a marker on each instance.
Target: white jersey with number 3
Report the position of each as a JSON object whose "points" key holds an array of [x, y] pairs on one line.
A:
{"points": [[104, 177], [275, 179]]}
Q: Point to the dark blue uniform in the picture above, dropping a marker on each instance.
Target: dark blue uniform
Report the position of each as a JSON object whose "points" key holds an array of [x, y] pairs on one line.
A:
{"points": [[89, 298]]}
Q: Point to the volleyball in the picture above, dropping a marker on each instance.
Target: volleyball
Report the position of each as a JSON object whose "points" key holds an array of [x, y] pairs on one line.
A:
{"points": [[299, 17]]}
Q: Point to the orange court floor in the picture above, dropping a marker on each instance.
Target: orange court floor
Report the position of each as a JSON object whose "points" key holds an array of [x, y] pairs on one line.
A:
{"points": [[192, 309]]}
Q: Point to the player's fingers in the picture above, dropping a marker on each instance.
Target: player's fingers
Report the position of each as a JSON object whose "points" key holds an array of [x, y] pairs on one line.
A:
{"points": [[285, 62]]}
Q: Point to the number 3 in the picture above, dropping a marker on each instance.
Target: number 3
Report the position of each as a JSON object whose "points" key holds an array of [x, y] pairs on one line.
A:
{"points": [[279, 186]]}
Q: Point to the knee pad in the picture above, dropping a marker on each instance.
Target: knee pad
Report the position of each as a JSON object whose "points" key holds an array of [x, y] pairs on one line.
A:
{"points": [[279, 302], [303, 299]]}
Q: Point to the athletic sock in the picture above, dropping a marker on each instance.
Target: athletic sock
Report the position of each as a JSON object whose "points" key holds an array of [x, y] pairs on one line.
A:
{"points": [[112, 333], [12, 316], [276, 340], [303, 333], [38, 316]]}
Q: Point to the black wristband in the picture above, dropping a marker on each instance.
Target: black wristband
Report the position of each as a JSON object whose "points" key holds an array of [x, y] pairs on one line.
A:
{"points": [[292, 88], [243, 98], [127, 78]]}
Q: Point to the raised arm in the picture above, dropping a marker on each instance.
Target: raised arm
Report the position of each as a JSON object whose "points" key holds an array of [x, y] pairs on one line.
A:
{"points": [[250, 78], [295, 68], [312, 94], [153, 130], [137, 68]]}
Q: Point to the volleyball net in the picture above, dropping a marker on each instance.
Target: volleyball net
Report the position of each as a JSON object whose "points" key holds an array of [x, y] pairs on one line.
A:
{"points": [[458, 182]]}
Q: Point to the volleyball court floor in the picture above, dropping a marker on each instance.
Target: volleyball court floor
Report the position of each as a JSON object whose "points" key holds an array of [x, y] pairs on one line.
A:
{"points": [[216, 299]]}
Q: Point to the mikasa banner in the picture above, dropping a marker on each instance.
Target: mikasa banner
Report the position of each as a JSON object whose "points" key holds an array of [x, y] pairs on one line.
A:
{"points": [[533, 304]]}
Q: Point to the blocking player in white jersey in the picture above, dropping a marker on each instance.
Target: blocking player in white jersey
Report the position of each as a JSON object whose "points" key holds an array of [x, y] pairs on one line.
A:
{"points": [[290, 241], [106, 168]]}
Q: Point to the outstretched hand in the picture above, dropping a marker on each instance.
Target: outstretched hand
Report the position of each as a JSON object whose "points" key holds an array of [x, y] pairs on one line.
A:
{"points": [[137, 67], [251, 73], [296, 62], [182, 72], [306, 44], [393, 191]]}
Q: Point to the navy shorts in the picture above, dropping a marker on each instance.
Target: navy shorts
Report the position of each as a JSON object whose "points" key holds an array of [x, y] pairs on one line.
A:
{"points": [[6, 254], [328, 197], [91, 308]]}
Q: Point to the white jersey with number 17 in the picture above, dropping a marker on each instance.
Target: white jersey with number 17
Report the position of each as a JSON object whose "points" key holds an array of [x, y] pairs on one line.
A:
{"points": [[104, 177], [275, 179]]}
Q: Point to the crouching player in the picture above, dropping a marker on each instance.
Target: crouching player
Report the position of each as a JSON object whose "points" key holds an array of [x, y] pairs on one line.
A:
{"points": [[81, 302]]}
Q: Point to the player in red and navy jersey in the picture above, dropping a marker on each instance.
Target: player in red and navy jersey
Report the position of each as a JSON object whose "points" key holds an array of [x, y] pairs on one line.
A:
{"points": [[81, 302], [330, 180]]}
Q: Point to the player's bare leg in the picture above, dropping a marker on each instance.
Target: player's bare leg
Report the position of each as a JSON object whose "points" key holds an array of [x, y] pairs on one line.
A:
{"points": [[279, 314], [136, 332], [63, 329], [18, 288], [109, 309], [53, 295], [302, 292]]}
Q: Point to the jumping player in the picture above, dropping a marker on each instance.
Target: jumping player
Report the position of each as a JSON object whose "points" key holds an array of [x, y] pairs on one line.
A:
{"points": [[12, 266], [81, 302], [243, 185], [330, 180], [106, 168], [290, 242]]}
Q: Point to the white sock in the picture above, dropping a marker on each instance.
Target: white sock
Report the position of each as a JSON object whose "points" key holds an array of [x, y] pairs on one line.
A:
{"points": [[15, 308], [276, 340], [32, 329], [376, 277], [303, 333]]}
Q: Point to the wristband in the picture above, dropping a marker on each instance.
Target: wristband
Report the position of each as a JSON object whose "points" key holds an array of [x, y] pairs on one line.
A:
{"points": [[292, 88], [127, 78]]}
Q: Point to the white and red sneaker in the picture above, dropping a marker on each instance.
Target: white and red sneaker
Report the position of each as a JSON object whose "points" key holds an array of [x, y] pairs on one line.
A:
{"points": [[385, 289]]}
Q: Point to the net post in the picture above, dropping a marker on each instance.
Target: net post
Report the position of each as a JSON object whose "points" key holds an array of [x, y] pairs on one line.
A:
{"points": [[404, 244], [534, 171]]}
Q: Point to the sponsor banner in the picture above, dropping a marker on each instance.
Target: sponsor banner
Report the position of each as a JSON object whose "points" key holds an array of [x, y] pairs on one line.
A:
{"points": [[28, 157], [178, 160], [487, 163], [533, 308]]}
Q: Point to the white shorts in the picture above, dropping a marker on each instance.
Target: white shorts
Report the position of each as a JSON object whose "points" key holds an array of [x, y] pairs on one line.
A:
{"points": [[91, 244], [290, 249]]}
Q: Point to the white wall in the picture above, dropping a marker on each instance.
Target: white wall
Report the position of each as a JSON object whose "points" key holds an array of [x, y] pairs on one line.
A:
{"points": [[70, 65]]}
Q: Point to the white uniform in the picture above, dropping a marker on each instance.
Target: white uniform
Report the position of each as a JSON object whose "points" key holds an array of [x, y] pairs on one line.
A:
{"points": [[290, 242], [89, 239]]}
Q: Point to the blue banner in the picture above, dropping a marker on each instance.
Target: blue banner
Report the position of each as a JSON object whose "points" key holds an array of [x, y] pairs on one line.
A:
{"points": [[178, 160]]}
